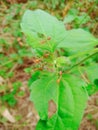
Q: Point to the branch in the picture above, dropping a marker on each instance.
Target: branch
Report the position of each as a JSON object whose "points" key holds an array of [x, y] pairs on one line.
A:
{"points": [[79, 63]]}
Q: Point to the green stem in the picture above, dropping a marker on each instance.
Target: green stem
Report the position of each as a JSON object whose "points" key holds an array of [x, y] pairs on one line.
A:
{"points": [[83, 53], [79, 63]]}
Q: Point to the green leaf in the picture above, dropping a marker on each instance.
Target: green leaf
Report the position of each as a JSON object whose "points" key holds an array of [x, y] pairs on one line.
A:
{"points": [[74, 16], [42, 91], [69, 18], [82, 19], [92, 71], [91, 89], [9, 98], [71, 102], [33, 78], [78, 40], [42, 29], [47, 32], [92, 76]]}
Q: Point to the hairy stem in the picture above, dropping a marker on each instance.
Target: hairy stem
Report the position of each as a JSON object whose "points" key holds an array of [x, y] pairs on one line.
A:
{"points": [[79, 63], [83, 53]]}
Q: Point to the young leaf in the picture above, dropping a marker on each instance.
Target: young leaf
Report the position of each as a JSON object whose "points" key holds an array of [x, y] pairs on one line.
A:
{"points": [[45, 31], [42, 29]]}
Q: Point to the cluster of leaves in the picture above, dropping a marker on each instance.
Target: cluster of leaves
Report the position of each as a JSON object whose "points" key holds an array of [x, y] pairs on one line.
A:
{"points": [[9, 97], [83, 15], [54, 3], [62, 78], [73, 16]]}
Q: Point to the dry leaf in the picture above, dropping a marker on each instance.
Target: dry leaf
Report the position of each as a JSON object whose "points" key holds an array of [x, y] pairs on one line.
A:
{"points": [[1, 80], [8, 116]]}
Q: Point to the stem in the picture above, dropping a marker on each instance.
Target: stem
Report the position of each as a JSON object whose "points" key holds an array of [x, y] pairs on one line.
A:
{"points": [[83, 53], [79, 63], [83, 76]]}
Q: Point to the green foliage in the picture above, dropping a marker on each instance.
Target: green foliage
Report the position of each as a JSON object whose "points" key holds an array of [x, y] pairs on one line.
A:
{"points": [[91, 72], [45, 89], [54, 3], [44, 32], [45, 35], [68, 115], [33, 78], [67, 88], [9, 97], [73, 16]]}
